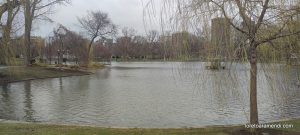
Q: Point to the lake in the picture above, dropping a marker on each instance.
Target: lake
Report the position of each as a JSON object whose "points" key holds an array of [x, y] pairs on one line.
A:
{"points": [[155, 95]]}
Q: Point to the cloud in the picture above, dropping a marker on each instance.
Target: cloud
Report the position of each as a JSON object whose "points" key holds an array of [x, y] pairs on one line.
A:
{"points": [[124, 13]]}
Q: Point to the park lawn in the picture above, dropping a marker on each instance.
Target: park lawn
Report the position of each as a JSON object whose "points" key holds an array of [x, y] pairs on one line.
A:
{"points": [[296, 124], [37, 129], [44, 129], [15, 74]]}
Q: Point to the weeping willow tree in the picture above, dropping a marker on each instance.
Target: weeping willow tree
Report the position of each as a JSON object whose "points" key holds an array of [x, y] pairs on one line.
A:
{"points": [[8, 11], [264, 30]]}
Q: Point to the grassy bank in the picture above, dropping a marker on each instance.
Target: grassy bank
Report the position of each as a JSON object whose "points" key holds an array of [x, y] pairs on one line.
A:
{"points": [[15, 74], [40, 129]]}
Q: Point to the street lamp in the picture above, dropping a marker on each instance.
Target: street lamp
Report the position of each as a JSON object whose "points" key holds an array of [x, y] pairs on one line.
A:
{"points": [[67, 56], [61, 33], [58, 56]]}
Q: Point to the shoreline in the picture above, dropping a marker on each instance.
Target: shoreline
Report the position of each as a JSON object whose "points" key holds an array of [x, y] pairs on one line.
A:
{"points": [[4, 121], [21, 73], [32, 79], [20, 128]]}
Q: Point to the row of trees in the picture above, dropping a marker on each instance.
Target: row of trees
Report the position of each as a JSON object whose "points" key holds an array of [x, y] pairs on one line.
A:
{"points": [[154, 46], [23, 12], [98, 27], [103, 44], [171, 46], [128, 46]]}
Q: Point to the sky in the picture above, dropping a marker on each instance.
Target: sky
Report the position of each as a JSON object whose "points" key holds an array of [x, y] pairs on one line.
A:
{"points": [[123, 13]]}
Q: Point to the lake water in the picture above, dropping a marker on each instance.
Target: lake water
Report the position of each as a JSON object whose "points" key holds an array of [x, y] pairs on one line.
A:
{"points": [[154, 95]]}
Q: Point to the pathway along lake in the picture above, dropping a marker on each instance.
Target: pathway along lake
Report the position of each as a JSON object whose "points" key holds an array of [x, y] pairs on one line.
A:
{"points": [[154, 95]]}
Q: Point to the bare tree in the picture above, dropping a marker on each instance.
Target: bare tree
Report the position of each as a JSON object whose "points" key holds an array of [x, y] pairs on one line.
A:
{"points": [[9, 4], [97, 24], [36, 9], [71, 43], [152, 37], [11, 7], [125, 42], [128, 32], [260, 22]]}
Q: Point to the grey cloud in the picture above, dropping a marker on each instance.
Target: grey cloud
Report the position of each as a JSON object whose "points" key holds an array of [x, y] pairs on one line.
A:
{"points": [[124, 13]]}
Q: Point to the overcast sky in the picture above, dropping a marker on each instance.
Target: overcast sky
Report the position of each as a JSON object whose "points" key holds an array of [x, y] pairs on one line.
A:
{"points": [[124, 13]]}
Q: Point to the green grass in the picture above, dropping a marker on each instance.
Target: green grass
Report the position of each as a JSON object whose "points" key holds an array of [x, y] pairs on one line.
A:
{"points": [[296, 124], [35, 129], [42, 129]]}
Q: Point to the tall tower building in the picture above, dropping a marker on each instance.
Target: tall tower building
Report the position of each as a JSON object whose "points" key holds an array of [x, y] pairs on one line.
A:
{"points": [[220, 37]]}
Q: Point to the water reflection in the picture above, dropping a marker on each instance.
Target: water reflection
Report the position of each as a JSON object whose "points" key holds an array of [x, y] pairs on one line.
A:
{"points": [[153, 95], [5, 100], [61, 84], [28, 103], [5, 93]]}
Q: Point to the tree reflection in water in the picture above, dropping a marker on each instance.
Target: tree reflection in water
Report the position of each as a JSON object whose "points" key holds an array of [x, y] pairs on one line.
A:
{"points": [[28, 103]]}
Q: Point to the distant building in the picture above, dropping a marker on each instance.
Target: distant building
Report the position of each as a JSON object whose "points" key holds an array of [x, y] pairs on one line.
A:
{"points": [[186, 44], [220, 37]]}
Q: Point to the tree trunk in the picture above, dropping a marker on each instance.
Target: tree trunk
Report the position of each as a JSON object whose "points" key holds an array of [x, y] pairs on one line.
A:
{"points": [[89, 52], [253, 87], [7, 54], [28, 23], [89, 55]]}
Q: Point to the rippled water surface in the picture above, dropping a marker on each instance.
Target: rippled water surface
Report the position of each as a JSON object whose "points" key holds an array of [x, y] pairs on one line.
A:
{"points": [[155, 95]]}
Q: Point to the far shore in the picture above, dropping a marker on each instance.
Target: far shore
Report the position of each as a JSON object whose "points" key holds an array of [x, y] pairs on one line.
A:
{"points": [[22, 73]]}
